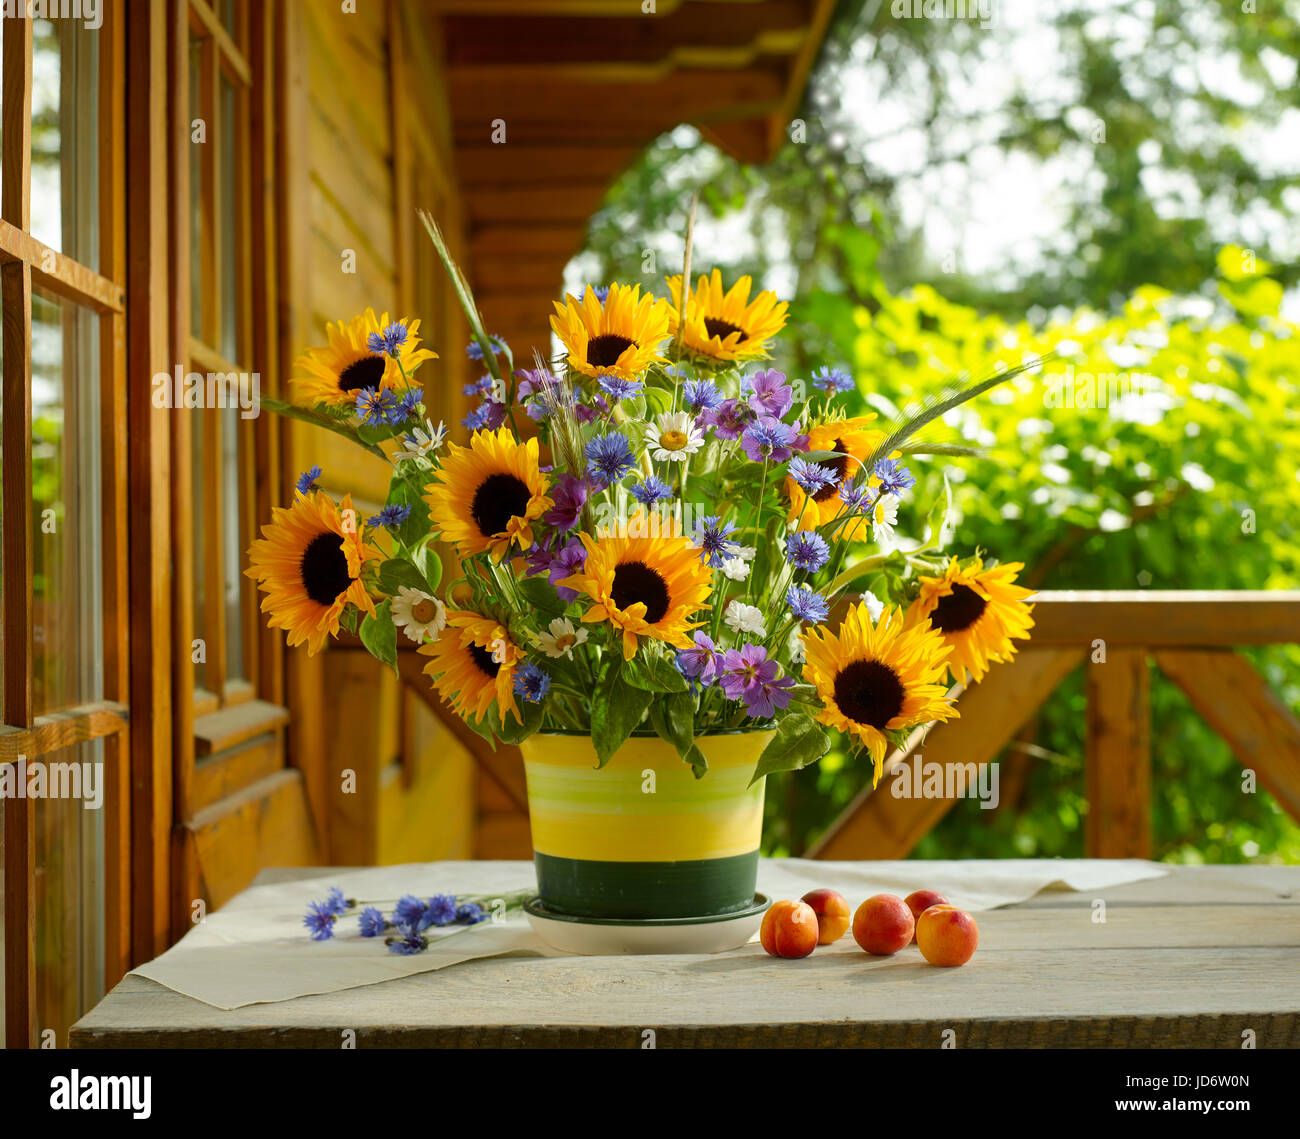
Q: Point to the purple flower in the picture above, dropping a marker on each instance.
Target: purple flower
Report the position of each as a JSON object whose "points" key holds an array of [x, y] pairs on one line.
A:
{"points": [[320, 920], [769, 438], [471, 913], [390, 341], [650, 491], [538, 558], [441, 910], [376, 406], [307, 480], [728, 419], [702, 662], [832, 380], [408, 944], [533, 381], [601, 291], [393, 515], [609, 457], [372, 922], [701, 395], [748, 675], [569, 497], [806, 605], [768, 392], [474, 350], [409, 406], [566, 563], [810, 476], [711, 536], [617, 388], [480, 386], [585, 414], [488, 416], [894, 479], [336, 902], [807, 550], [408, 911], [856, 497], [532, 683]]}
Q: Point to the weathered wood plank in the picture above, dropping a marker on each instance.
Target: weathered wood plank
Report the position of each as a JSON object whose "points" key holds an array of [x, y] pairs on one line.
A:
{"points": [[1234, 700], [878, 825], [1118, 750], [1166, 618]]}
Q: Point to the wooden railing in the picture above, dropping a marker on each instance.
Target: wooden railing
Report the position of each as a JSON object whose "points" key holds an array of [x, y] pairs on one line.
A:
{"points": [[1189, 635]]}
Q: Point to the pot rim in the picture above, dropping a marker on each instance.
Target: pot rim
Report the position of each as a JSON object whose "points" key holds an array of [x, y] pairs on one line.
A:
{"points": [[651, 734]]}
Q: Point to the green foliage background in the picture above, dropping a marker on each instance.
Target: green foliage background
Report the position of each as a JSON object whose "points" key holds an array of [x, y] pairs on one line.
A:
{"points": [[1194, 486]]}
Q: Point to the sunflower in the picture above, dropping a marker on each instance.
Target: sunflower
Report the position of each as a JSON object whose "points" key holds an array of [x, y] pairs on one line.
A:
{"points": [[309, 564], [877, 678], [336, 372], [854, 442], [618, 338], [472, 664], [647, 586], [977, 611], [489, 493], [727, 325]]}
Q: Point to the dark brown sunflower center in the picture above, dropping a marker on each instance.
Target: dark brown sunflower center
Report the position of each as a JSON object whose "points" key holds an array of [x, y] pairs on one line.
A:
{"points": [[637, 582], [363, 373], [604, 351], [869, 692], [499, 498], [723, 328], [959, 610], [324, 568], [837, 465], [481, 657]]}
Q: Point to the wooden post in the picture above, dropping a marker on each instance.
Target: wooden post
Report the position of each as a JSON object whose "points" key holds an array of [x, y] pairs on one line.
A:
{"points": [[1118, 757]]}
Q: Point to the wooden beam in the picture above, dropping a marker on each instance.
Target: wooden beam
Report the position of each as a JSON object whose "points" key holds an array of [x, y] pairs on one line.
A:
{"points": [[571, 202], [62, 729], [1118, 757], [492, 165], [1234, 700], [878, 825], [1166, 618], [505, 239]]}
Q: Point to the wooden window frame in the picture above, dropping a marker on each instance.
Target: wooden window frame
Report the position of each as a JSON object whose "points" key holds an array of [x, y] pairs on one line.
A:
{"points": [[27, 263]]}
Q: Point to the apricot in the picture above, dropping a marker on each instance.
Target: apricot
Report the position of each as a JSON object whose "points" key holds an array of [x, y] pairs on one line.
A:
{"points": [[883, 925], [789, 929], [918, 901], [946, 935], [833, 914]]}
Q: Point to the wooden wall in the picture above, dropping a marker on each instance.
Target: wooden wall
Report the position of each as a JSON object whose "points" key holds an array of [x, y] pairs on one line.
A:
{"points": [[366, 143]]}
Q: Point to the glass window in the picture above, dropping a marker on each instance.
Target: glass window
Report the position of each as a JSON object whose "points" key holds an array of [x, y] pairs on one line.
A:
{"points": [[66, 540]]}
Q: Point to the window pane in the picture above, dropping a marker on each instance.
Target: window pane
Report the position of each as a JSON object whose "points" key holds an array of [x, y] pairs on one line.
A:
{"points": [[69, 887], [66, 541], [65, 137], [198, 496], [230, 223], [196, 195], [234, 579]]}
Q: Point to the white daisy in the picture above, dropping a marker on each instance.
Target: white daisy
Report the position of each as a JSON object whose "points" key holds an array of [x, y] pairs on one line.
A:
{"points": [[418, 614], [561, 638], [746, 553], [884, 515], [875, 607], [735, 568], [742, 618], [672, 437], [796, 645], [420, 442]]}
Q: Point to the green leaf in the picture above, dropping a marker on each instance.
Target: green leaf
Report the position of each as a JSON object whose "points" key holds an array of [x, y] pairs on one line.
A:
{"points": [[616, 709], [515, 730], [429, 564], [541, 594], [379, 634], [654, 674], [397, 572], [799, 741], [319, 419]]}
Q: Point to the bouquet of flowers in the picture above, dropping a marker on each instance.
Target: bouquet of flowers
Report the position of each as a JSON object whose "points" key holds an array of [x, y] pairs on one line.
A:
{"points": [[654, 531]]}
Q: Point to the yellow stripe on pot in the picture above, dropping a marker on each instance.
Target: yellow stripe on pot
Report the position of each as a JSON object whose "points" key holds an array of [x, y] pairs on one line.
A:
{"points": [[645, 804]]}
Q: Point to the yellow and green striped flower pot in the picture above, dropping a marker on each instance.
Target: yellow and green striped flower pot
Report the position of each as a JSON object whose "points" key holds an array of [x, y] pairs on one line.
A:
{"points": [[642, 838]]}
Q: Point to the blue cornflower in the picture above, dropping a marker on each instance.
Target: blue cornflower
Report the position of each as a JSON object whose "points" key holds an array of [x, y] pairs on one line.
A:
{"points": [[480, 386], [701, 395], [531, 683], [806, 605], [807, 550], [601, 291], [810, 476], [471, 913], [894, 479], [408, 944], [856, 497], [408, 911], [441, 910], [652, 490], [390, 341], [769, 438], [307, 480], [609, 457], [372, 922], [488, 416], [711, 538], [376, 406], [408, 406], [832, 380], [474, 350], [618, 388], [393, 515], [335, 902], [320, 920]]}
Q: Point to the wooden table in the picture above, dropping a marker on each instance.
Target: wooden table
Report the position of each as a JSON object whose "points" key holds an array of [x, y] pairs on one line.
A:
{"points": [[1192, 960]]}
